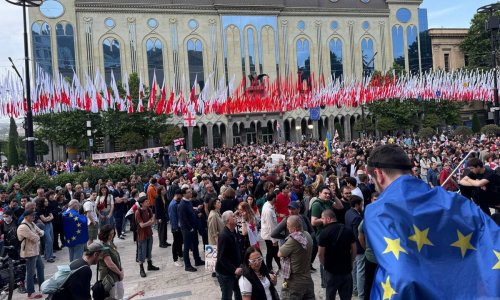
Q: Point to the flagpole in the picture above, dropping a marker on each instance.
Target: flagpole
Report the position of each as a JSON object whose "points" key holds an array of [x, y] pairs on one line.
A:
{"points": [[456, 169]]}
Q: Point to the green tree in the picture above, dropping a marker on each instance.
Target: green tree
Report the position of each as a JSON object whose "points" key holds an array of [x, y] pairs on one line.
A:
{"points": [[67, 128], [131, 140], [476, 44], [147, 124], [426, 132], [171, 133], [491, 130], [41, 148], [13, 143]]}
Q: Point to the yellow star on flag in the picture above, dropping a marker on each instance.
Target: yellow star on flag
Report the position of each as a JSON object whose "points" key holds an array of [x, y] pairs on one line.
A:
{"points": [[420, 237], [463, 243], [75, 218], [70, 215], [388, 290], [73, 238], [497, 265], [78, 231], [394, 246], [78, 224]]}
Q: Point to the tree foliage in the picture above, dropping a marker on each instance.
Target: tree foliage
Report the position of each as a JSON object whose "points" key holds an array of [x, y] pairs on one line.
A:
{"points": [[426, 132], [13, 143], [476, 44], [69, 128], [491, 130], [147, 124], [171, 133], [407, 114], [462, 132], [66, 128]]}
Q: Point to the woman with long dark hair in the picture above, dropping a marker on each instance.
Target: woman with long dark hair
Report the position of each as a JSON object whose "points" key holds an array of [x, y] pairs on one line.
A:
{"points": [[256, 282], [45, 214], [105, 204]]}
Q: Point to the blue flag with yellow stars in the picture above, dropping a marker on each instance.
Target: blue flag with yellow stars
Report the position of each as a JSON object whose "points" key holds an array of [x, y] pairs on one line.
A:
{"points": [[431, 244], [75, 228]]}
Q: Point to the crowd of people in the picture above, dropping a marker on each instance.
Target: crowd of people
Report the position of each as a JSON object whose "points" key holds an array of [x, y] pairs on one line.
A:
{"points": [[243, 201]]}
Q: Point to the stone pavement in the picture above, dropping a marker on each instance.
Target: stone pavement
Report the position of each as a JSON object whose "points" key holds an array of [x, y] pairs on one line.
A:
{"points": [[170, 282]]}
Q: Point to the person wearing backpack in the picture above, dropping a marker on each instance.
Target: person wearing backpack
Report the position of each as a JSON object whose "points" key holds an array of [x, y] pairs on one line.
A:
{"points": [[75, 284]]}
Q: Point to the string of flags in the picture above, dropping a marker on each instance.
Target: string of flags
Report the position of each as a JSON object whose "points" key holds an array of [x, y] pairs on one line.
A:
{"points": [[221, 96]]}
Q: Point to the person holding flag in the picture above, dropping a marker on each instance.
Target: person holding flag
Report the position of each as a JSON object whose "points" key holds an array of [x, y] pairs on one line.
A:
{"points": [[429, 243], [328, 146], [75, 230]]}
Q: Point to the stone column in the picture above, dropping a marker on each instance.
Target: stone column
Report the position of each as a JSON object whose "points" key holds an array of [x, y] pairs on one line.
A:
{"points": [[347, 128], [210, 136], [281, 133], [315, 130], [229, 135], [190, 138], [298, 133]]}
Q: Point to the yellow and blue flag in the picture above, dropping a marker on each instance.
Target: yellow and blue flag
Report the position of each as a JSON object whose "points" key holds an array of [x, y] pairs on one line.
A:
{"points": [[328, 146], [431, 244], [75, 228]]}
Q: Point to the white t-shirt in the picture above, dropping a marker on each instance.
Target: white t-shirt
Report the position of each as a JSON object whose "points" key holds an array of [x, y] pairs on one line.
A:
{"points": [[246, 287], [90, 206]]}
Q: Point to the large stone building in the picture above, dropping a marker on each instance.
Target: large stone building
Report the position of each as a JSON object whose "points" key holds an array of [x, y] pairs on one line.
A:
{"points": [[446, 53], [204, 40]]}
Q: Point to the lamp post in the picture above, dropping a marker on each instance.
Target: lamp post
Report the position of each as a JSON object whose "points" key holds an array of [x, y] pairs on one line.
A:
{"points": [[89, 136], [30, 140], [493, 25]]}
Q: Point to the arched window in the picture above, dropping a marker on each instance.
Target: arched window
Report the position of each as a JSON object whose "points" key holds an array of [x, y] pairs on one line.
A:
{"points": [[411, 37], [303, 60], [398, 47], [154, 53], [112, 62], [251, 50], [65, 49], [368, 56], [42, 49], [195, 63], [336, 66]]}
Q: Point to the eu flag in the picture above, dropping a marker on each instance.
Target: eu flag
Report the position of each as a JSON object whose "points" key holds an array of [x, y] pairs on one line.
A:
{"points": [[75, 228], [431, 244]]}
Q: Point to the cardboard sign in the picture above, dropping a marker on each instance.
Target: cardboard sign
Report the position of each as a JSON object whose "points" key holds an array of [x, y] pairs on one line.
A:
{"points": [[210, 257]]}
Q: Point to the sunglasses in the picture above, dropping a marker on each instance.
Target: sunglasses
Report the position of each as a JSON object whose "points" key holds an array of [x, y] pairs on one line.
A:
{"points": [[256, 261]]}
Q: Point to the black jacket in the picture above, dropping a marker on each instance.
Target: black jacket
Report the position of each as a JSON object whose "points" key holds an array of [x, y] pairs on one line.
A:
{"points": [[228, 256], [161, 208], [258, 291], [352, 221]]}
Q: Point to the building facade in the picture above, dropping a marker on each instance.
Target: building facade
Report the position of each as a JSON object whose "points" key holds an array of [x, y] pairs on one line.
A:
{"points": [[200, 41], [446, 53]]}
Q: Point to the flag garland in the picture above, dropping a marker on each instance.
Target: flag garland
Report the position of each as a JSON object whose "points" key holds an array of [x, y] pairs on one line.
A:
{"points": [[53, 95]]}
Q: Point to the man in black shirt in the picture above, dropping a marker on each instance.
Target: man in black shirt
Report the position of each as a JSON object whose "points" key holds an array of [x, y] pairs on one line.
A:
{"points": [[337, 251], [77, 286], [486, 183]]}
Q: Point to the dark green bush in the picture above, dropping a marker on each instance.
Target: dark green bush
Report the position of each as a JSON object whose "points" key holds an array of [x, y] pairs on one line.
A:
{"points": [[119, 171]]}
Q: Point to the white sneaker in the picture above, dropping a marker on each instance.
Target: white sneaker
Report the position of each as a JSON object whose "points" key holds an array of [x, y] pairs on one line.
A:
{"points": [[178, 264]]}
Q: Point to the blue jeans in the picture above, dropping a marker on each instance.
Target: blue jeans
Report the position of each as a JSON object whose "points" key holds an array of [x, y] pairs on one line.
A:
{"points": [[76, 252], [49, 241], [358, 276], [105, 221], [228, 285], [144, 248], [190, 243], [34, 263]]}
